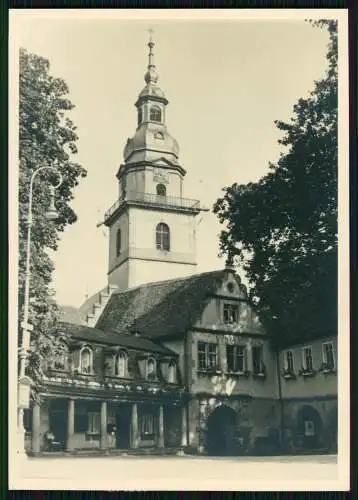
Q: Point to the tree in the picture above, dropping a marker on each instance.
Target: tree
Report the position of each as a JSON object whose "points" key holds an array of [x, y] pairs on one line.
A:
{"points": [[282, 230], [47, 136]]}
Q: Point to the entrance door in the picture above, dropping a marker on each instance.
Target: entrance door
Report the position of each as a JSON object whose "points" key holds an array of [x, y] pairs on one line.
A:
{"points": [[221, 431], [58, 425], [123, 424]]}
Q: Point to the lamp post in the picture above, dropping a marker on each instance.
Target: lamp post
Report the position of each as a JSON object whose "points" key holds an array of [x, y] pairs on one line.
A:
{"points": [[24, 382]]}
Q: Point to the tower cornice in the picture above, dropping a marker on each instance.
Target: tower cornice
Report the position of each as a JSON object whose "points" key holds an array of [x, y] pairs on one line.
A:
{"points": [[142, 165]]}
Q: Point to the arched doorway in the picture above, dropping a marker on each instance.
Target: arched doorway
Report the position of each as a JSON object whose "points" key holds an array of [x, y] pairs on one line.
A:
{"points": [[221, 431], [309, 427]]}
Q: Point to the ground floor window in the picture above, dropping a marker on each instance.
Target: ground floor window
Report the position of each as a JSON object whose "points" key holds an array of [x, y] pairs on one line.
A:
{"points": [[94, 423], [147, 425]]}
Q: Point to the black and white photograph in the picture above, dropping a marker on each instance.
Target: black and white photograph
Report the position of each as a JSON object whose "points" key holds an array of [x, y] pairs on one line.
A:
{"points": [[179, 250]]}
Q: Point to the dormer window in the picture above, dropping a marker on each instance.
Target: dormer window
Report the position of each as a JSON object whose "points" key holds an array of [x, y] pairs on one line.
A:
{"points": [[231, 314], [151, 369], [121, 364], [172, 372], [61, 361], [86, 360], [161, 190], [155, 114]]}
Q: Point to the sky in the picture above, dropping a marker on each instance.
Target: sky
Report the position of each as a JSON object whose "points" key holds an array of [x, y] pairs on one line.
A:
{"points": [[226, 82]]}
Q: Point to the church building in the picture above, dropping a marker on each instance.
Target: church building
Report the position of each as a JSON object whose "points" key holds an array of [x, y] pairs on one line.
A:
{"points": [[166, 360]]}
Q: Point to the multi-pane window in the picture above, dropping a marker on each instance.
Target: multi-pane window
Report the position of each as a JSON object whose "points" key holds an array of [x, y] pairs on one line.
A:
{"points": [[121, 364], [86, 360], [257, 359], [118, 242], [163, 237], [94, 423], [207, 355], [60, 363], [155, 114], [289, 362], [328, 355], [236, 356], [147, 425], [307, 359], [231, 313]]}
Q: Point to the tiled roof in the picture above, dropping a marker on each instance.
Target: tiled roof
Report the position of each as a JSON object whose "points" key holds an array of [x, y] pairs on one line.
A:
{"points": [[70, 314], [89, 334], [164, 308]]}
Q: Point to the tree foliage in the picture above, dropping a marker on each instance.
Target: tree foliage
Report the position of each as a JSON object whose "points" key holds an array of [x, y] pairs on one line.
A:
{"points": [[47, 137], [282, 230]]}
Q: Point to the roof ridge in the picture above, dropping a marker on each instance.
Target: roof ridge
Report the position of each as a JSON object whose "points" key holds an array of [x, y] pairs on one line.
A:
{"points": [[171, 280]]}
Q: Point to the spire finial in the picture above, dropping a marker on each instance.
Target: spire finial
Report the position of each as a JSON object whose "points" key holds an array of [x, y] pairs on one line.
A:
{"points": [[151, 75]]}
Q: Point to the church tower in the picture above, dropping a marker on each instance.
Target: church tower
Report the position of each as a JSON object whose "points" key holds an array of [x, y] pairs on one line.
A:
{"points": [[151, 225]]}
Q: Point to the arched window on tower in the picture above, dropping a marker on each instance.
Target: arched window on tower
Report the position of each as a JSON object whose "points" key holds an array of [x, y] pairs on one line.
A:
{"points": [[163, 237], [161, 190], [140, 116], [155, 114], [118, 242]]}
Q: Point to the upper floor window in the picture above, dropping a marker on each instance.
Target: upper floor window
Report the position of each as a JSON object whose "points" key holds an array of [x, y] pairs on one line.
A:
{"points": [[86, 360], [289, 361], [207, 355], [163, 237], [236, 356], [172, 372], [151, 369], [257, 359], [161, 190], [155, 114], [121, 364], [231, 313], [140, 116], [307, 359], [118, 242], [328, 355], [61, 361]]}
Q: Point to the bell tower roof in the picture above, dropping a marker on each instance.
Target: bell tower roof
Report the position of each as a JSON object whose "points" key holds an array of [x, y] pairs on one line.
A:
{"points": [[151, 140]]}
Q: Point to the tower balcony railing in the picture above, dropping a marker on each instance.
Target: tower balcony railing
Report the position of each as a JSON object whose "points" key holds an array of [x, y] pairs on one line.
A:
{"points": [[155, 200]]}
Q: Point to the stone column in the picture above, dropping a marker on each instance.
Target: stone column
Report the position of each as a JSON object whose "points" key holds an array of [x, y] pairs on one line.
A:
{"points": [[104, 444], [35, 442], [161, 427], [134, 426], [70, 424], [184, 439]]}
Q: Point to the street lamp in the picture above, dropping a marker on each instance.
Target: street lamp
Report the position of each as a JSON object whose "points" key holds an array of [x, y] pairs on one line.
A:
{"points": [[24, 382]]}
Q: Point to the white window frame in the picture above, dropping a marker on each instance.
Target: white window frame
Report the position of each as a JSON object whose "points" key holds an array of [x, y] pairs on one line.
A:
{"points": [[94, 418], [324, 357], [86, 348], [125, 363], [285, 359], [304, 357], [172, 372]]}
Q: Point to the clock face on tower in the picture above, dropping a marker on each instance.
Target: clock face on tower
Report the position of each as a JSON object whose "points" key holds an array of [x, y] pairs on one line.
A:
{"points": [[160, 176]]}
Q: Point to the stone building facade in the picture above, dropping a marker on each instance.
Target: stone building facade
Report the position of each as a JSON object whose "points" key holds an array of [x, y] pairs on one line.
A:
{"points": [[163, 359]]}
